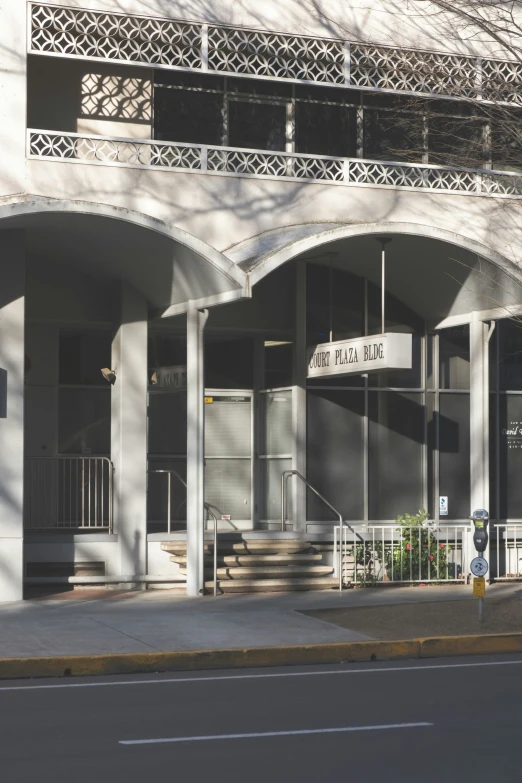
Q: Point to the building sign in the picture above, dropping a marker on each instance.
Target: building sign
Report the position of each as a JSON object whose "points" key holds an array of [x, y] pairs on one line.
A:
{"points": [[443, 505], [513, 434], [170, 377], [391, 351]]}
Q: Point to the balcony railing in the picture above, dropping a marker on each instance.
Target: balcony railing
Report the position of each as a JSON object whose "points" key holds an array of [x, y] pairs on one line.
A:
{"points": [[74, 493], [239, 162], [168, 43]]}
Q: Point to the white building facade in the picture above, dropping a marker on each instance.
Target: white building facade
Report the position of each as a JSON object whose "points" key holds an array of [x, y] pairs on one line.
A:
{"points": [[191, 197]]}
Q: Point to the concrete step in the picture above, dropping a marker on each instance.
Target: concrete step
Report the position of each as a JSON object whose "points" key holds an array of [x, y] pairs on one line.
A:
{"points": [[256, 547], [273, 585], [268, 572], [254, 560]]}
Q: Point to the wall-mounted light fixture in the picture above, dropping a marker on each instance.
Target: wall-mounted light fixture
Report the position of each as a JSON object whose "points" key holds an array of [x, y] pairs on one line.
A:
{"points": [[109, 375]]}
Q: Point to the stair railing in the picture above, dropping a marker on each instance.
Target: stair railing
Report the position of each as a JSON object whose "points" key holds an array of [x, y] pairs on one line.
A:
{"points": [[171, 472], [284, 478]]}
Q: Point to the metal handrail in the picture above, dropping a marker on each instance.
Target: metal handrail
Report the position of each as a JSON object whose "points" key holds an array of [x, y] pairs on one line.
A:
{"points": [[286, 475], [170, 472]]}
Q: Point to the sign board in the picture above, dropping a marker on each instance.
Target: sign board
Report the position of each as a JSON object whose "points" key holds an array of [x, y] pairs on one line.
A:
{"points": [[443, 506], [209, 400], [390, 351], [479, 587], [171, 377], [479, 566]]}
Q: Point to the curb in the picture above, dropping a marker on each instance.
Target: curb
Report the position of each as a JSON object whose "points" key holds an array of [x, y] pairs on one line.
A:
{"points": [[259, 657]]}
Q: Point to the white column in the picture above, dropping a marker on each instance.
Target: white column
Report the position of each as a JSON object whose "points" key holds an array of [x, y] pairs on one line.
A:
{"points": [[299, 402], [129, 431], [196, 320], [12, 353], [479, 419]]}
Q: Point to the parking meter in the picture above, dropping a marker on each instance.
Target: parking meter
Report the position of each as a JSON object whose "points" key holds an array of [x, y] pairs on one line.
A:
{"points": [[480, 519]]}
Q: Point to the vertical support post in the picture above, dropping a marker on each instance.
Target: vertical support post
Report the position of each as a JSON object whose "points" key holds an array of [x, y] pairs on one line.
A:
{"points": [[479, 417], [299, 401], [129, 430], [196, 320], [12, 357], [259, 424]]}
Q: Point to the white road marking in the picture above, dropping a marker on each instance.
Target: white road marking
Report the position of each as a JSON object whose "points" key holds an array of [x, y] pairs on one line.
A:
{"points": [[181, 680], [256, 735]]}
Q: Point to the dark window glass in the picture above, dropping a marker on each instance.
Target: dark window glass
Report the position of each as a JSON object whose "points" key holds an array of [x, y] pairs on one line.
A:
{"points": [[510, 355], [396, 437], [456, 141], [191, 117], [326, 130], [229, 364], [391, 135], [454, 358], [347, 305], [259, 87], [167, 351], [167, 422], [454, 467], [310, 92], [193, 80], [506, 144], [510, 457], [335, 453], [278, 364], [317, 304], [259, 126], [81, 357], [84, 421]]}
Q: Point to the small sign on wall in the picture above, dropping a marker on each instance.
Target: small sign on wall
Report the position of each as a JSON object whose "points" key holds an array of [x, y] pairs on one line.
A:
{"points": [[443, 506]]}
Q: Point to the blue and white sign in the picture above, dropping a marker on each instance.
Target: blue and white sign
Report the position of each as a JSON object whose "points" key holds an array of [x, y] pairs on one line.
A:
{"points": [[443, 506]]}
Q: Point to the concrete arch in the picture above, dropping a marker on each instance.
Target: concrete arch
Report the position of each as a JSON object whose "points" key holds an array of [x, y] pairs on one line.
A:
{"points": [[18, 207], [285, 245]]}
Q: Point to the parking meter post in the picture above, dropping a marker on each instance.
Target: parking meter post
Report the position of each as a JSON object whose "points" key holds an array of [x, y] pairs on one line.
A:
{"points": [[479, 566]]}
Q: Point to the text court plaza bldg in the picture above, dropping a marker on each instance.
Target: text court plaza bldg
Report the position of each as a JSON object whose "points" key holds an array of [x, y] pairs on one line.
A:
{"points": [[196, 205]]}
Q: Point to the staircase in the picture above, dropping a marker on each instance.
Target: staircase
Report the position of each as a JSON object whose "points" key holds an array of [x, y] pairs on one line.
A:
{"points": [[251, 565]]}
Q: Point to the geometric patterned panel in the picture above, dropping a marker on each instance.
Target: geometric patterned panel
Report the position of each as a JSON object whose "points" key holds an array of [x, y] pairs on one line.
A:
{"points": [[116, 96], [502, 81], [166, 42], [389, 68], [69, 31], [97, 149], [284, 166], [272, 54]]}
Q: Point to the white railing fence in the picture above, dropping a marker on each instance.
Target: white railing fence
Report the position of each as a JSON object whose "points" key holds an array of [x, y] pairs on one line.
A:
{"points": [[68, 492], [373, 554], [239, 162], [192, 46], [509, 551]]}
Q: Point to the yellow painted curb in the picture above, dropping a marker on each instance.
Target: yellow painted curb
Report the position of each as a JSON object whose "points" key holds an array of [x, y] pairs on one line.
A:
{"points": [[250, 657]]}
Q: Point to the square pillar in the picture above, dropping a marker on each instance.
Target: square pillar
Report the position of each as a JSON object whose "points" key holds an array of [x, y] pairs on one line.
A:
{"points": [[479, 419], [299, 402], [129, 430], [196, 320], [12, 356]]}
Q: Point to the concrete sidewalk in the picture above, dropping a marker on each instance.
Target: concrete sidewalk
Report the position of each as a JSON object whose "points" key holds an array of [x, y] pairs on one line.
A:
{"points": [[84, 623]]}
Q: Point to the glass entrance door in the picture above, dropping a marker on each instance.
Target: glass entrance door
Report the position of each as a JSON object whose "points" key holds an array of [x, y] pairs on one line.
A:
{"points": [[228, 457]]}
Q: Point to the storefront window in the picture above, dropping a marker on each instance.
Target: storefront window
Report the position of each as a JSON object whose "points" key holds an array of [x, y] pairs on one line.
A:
{"points": [[335, 452], [454, 357], [454, 467], [396, 438]]}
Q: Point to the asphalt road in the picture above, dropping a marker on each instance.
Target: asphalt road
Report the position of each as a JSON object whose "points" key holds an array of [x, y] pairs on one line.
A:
{"points": [[440, 720]]}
